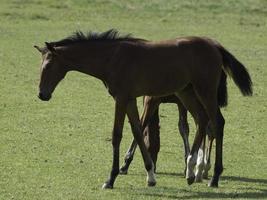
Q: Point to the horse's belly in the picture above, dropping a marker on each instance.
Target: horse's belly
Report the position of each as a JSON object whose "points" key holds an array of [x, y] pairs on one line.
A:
{"points": [[161, 85]]}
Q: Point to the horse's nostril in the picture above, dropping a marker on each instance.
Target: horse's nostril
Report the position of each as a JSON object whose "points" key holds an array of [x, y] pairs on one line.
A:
{"points": [[40, 96]]}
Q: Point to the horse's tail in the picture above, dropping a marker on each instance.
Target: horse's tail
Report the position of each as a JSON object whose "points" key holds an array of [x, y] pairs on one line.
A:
{"points": [[236, 70], [222, 91]]}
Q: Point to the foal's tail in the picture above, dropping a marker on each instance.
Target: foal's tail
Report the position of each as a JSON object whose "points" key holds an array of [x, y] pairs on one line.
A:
{"points": [[237, 71]]}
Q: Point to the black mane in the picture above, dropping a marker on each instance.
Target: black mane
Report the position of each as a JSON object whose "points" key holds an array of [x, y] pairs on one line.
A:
{"points": [[79, 36]]}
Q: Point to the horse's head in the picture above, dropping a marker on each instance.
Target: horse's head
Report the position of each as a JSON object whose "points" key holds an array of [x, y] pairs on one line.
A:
{"points": [[52, 71]]}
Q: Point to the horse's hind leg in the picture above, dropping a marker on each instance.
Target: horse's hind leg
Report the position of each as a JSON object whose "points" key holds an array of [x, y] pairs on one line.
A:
{"points": [[191, 102], [183, 130], [208, 98], [200, 161], [207, 164], [218, 168]]}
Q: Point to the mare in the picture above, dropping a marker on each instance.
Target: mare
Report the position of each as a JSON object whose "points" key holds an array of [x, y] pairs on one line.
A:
{"points": [[189, 67]]}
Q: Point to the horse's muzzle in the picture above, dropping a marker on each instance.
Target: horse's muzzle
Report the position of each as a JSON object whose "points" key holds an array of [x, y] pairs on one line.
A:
{"points": [[44, 97]]}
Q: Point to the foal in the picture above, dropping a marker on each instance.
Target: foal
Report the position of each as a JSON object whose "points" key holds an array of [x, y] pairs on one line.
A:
{"points": [[189, 67], [151, 129], [150, 120]]}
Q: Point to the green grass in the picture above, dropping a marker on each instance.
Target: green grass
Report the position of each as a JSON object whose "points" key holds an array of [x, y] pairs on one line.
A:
{"points": [[62, 149]]}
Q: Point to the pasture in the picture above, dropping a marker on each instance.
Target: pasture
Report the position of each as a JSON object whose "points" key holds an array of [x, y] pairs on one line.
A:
{"points": [[62, 150]]}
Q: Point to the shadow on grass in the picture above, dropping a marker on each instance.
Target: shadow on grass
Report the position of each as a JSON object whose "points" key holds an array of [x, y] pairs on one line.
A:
{"points": [[173, 174], [170, 174], [244, 179], [229, 178], [245, 192], [208, 195]]}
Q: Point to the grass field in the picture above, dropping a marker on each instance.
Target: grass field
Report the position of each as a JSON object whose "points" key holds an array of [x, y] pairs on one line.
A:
{"points": [[62, 149]]}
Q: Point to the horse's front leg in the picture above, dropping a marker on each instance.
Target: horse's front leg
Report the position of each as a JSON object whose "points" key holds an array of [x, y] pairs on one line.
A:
{"points": [[150, 129], [120, 112], [132, 113]]}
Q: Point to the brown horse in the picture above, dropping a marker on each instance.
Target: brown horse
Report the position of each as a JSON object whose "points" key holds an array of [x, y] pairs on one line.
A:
{"points": [[152, 132], [189, 67], [152, 129], [152, 137]]}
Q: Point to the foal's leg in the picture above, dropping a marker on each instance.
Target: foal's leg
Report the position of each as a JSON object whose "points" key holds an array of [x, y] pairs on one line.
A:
{"points": [[128, 157], [150, 128], [184, 130], [132, 113], [200, 161], [207, 164], [120, 111], [218, 168], [150, 124], [152, 136], [191, 102], [209, 99]]}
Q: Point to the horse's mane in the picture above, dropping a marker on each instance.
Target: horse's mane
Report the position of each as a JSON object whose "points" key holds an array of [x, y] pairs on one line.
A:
{"points": [[79, 36]]}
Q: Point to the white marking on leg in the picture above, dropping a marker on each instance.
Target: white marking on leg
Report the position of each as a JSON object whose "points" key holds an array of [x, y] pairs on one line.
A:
{"points": [[191, 162], [151, 179], [200, 165]]}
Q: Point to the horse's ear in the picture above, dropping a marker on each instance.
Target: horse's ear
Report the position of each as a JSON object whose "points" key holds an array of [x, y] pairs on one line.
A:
{"points": [[41, 50], [50, 47]]}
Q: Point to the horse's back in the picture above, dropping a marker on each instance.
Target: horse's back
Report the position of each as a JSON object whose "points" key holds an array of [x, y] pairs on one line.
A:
{"points": [[169, 65]]}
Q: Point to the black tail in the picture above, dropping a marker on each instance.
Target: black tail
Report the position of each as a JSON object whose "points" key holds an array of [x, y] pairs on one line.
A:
{"points": [[222, 91], [237, 71]]}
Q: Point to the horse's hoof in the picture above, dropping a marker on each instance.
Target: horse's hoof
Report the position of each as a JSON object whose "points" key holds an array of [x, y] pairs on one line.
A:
{"points": [[190, 180], [151, 184], [123, 171], [198, 179], [213, 184], [205, 176], [107, 186]]}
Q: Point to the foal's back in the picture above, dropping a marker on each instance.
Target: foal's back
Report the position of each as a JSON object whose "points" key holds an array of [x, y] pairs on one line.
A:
{"points": [[165, 67]]}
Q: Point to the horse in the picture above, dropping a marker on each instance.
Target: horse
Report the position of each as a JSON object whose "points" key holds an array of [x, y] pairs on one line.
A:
{"points": [[152, 132], [189, 67]]}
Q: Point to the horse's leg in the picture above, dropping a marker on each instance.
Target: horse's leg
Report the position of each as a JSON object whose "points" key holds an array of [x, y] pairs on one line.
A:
{"points": [[150, 128], [120, 111], [218, 168], [200, 161], [132, 113], [150, 123], [207, 164], [208, 98], [191, 102], [184, 130], [128, 158]]}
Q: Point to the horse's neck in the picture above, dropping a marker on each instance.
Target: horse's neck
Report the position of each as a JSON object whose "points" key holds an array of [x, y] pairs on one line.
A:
{"points": [[91, 59]]}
